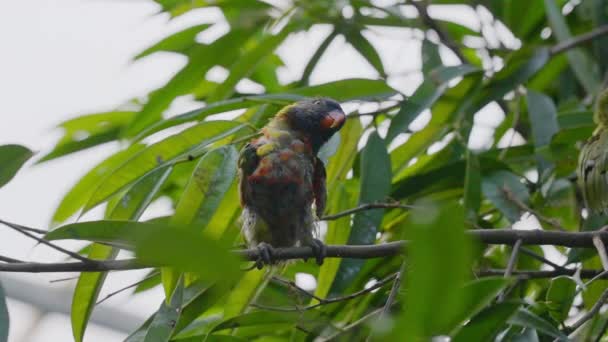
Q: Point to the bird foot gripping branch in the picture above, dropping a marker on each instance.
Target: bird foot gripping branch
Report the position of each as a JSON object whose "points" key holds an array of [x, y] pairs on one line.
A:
{"points": [[281, 177]]}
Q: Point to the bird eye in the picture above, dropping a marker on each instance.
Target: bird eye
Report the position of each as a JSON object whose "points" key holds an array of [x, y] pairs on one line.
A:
{"points": [[317, 102]]}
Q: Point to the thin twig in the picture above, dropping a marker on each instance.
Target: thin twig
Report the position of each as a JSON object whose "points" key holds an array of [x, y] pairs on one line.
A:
{"points": [[578, 40], [352, 325], [601, 251], [522, 206], [325, 301], [594, 310], [513, 259], [535, 274], [112, 294], [63, 279], [443, 35], [9, 260], [20, 229], [367, 206], [374, 113], [486, 236], [540, 258]]}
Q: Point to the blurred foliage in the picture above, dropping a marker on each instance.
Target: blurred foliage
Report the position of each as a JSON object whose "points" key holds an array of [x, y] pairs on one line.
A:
{"points": [[498, 66]]}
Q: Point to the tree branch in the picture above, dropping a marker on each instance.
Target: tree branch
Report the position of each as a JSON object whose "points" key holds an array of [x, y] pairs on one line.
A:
{"points": [[587, 274], [444, 37], [594, 310], [578, 40], [324, 301], [26, 231], [367, 206], [487, 236]]}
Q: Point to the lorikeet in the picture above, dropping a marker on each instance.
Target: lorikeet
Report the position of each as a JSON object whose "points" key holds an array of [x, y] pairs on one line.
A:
{"points": [[281, 177], [593, 161]]}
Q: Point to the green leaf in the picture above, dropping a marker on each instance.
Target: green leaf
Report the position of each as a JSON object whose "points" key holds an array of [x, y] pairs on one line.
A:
{"points": [[257, 318], [436, 273], [130, 207], [210, 182], [80, 193], [4, 318], [584, 68], [338, 232], [87, 290], [528, 319], [342, 90], [179, 42], [375, 186], [245, 292], [193, 140], [202, 58], [342, 161], [186, 251], [479, 294], [472, 187], [12, 158], [434, 85], [248, 60], [448, 109], [560, 296], [487, 324], [430, 56], [519, 68], [89, 130], [543, 117], [198, 299], [365, 48], [162, 325], [504, 190]]}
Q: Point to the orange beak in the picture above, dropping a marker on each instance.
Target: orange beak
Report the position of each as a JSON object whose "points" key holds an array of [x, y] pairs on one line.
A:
{"points": [[333, 119]]}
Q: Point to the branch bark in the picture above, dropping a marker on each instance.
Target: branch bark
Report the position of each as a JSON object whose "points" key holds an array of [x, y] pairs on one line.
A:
{"points": [[487, 236]]}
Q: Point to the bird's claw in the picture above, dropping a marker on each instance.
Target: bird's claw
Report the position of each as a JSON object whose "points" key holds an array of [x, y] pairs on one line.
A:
{"points": [[319, 250], [265, 255]]}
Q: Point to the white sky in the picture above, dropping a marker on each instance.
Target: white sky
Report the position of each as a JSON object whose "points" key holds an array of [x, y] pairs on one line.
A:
{"points": [[62, 58]]}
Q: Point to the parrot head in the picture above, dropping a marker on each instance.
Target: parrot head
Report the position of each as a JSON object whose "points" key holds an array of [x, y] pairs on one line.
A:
{"points": [[317, 119]]}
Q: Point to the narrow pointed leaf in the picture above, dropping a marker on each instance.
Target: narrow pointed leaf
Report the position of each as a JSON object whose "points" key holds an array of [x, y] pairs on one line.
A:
{"points": [[12, 158], [130, 207], [162, 153], [80, 193]]}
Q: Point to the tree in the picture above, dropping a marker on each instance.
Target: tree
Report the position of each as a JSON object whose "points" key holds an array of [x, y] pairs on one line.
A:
{"points": [[419, 223]]}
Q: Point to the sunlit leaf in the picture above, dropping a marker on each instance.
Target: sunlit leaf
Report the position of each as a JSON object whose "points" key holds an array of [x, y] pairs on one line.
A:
{"points": [[192, 140], [244, 66], [162, 325], [80, 193], [201, 59], [178, 42], [130, 207], [342, 90], [89, 130]]}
